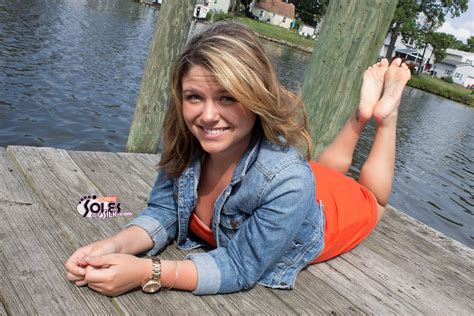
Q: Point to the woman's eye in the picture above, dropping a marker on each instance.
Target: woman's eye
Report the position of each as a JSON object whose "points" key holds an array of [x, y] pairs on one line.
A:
{"points": [[228, 100], [193, 98]]}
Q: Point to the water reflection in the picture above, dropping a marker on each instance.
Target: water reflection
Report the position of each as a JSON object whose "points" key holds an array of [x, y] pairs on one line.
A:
{"points": [[70, 74], [434, 171]]}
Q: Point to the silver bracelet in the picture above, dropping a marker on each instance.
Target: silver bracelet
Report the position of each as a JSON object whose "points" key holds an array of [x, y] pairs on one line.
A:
{"points": [[175, 277]]}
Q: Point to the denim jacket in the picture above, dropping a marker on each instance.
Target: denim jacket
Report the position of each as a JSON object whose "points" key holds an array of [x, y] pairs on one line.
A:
{"points": [[267, 222]]}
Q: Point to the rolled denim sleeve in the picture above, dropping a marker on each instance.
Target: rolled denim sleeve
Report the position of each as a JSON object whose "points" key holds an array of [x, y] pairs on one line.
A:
{"points": [[263, 238], [159, 219]]}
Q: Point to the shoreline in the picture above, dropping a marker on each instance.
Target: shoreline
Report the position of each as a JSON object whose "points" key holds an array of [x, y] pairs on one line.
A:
{"points": [[457, 97], [305, 49]]}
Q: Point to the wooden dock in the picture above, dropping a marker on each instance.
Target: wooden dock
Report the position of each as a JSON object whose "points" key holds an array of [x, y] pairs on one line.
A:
{"points": [[404, 267]]}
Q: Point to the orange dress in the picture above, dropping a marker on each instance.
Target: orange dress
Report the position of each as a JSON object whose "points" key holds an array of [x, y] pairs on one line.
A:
{"points": [[350, 210]]}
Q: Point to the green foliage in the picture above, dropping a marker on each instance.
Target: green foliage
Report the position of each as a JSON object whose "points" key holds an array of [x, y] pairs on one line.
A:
{"points": [[447, 79], [310, 11], [277, 32], [470, 43], [418, 19], [469, 47], [219, 16], [448, 90], [440, 41]]}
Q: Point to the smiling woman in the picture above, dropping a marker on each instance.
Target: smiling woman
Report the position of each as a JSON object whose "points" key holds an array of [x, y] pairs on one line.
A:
{"points": [[235, 176], [220, 123]]}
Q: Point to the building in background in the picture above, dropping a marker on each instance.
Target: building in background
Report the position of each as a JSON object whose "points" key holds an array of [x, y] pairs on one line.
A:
{"points": [[408, 50], [275, 12], [458, 65], [203, 7]]}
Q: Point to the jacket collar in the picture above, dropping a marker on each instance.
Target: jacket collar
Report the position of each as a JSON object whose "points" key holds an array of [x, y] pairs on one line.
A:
{"points": [[249, 157]]}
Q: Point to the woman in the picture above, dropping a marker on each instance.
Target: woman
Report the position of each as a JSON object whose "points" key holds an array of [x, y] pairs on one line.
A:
{"points": [[231, 177]]}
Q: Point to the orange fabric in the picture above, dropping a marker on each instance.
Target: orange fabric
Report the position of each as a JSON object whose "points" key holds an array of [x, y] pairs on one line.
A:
{"points": [[350, 210], [201, 230]]}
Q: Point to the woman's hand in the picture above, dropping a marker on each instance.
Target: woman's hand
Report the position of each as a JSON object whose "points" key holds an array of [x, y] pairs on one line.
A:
{"points": [[76, 264], [115, 274]]}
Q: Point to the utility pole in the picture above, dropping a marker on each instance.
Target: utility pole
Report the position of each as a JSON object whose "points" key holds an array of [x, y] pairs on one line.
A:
{"points": [[170, 36], [350, 40]]}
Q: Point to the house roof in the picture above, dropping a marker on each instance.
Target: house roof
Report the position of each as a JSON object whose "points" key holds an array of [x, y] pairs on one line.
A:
{"points": [[277, 7], [453, 62], [457, 52], [408, 51]]}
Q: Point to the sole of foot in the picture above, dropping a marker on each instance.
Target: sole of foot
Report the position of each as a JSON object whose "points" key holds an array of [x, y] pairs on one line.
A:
{"points": [[372, 85], [395, 80]]}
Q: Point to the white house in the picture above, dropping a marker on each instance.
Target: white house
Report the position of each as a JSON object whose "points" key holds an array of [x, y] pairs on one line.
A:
{"points": [[275, 12], [465, 57], [204, 6], [408, 50], [219, 6], [306, 30], [458, 65]]}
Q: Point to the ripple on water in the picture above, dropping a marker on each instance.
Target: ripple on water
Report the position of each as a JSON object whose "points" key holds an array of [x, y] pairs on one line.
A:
{"points": [[71, 73]]}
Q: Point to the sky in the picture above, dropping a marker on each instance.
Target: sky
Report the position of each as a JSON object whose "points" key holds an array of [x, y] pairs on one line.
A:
{"points": [[463, 26]]}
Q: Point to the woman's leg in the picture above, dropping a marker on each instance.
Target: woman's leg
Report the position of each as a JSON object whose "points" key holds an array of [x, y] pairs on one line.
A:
{"points": [[377, 172], [338, 155]]}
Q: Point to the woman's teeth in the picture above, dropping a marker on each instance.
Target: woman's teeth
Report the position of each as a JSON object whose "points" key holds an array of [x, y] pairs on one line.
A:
{"points": [[214, 131]]}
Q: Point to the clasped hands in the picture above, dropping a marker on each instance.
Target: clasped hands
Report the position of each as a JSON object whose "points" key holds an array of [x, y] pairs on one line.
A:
{"points": [[104, 269]]}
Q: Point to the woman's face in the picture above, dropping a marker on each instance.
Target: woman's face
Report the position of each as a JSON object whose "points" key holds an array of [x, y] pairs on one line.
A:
{"points": [[221, 124]]}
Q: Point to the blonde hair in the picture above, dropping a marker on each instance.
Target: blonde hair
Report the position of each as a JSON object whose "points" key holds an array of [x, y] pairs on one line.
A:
{"points": [[235, 56]]}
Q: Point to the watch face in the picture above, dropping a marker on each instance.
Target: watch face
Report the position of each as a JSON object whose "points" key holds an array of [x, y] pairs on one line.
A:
{"points": [[151, 286]]}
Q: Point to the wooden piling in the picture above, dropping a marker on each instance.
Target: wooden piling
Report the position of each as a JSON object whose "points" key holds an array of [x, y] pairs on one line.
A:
{"points": [[168, 41], [352, 34]]}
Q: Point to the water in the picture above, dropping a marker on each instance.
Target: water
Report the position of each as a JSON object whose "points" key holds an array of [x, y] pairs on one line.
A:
{"points": [[70, 74]]}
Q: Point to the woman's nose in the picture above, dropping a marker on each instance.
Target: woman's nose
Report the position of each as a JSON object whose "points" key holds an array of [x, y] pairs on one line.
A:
{"points": [[210, 111]]}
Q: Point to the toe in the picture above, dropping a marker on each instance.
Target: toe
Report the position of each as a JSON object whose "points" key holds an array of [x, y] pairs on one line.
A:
{"points": [[384, 62], [396, 62]]}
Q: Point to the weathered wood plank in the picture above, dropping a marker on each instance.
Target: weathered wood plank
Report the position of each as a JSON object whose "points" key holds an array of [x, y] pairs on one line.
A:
{"points": [[44, 166], [3, 311], [128, 186], [32, 255], [60, 184], [143, 164], [404, 273], [403, 267]]}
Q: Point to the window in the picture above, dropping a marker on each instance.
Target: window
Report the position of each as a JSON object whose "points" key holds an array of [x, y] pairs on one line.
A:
{"points": [[284, 19], [261, 12], [457, 75]]}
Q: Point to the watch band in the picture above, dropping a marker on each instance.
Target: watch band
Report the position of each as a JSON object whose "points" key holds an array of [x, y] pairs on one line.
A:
{"points": [[153, 283]]}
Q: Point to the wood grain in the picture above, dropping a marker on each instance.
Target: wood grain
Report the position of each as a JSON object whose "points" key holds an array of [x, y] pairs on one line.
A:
{"points": [[404, 267]]}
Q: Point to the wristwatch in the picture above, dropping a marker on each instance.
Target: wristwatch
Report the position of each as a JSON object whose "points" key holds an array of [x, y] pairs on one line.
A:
{"points": [[153, 283]]}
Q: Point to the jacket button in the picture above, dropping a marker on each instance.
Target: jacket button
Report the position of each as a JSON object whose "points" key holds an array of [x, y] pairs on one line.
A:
{"points": [[233, 224]]}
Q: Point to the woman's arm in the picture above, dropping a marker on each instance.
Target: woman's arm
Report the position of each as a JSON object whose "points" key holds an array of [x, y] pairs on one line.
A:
{"points": [[263, 238]]}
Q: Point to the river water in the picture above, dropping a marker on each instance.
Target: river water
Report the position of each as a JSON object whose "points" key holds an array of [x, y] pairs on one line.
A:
{"points": [[70, 73]]}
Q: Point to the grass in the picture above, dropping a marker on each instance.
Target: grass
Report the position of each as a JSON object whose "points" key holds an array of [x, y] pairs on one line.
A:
{"points": [[439, 87], [276, 32]]}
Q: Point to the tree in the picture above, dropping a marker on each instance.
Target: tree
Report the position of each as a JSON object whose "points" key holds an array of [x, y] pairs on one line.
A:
{"points": [[470, 44], [309, 11], [417, 19], [440, 41]]}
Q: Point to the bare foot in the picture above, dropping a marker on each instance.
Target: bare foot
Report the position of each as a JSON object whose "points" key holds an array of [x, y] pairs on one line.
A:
{"points": [[396, 77], [371, 90]]}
